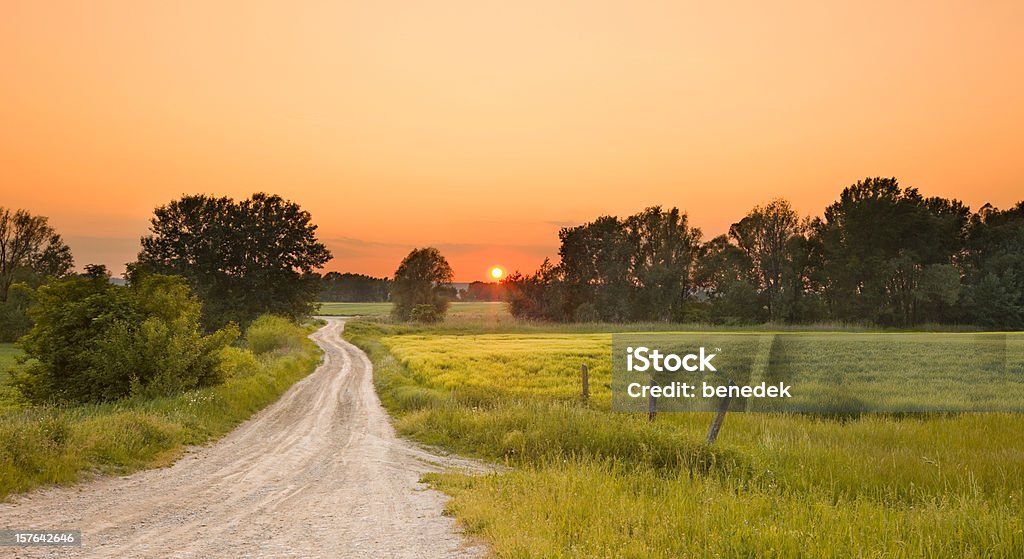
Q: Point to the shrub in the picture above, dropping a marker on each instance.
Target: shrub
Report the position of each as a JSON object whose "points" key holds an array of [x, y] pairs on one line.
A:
{"points": [[426, 313], [236, 362], [273, 333], [93, 341]]}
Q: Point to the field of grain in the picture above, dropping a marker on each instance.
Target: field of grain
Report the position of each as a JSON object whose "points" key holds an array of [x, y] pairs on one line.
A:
{"points": [[457, 309], [614, 484]]}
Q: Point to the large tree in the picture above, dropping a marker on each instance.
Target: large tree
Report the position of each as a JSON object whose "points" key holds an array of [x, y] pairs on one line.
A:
{"points": [[30, 250], [638, 268], [766, 236], [242, 258], [993, 263], [665, 250], [420, 286], [879, 241]]}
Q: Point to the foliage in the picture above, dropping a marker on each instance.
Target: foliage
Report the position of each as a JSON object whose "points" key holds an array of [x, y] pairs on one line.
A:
{"points": [[994, 265], [882, 254], [243, 259], [483, 291], [422, 280], [273, 333], [93, 341], [44, 445], [638, 268], [877, 239], [30, 250], [353, 288]]}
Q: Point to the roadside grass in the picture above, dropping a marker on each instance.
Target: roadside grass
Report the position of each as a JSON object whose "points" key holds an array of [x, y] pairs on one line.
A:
{"points": [[9, 397], [60, 445], [8, 355], [589, 482]]}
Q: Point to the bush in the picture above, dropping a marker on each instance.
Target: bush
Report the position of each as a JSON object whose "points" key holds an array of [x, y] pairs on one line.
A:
{"points": [[273, 333], [426, 313], [93, 341], [236, 362]]}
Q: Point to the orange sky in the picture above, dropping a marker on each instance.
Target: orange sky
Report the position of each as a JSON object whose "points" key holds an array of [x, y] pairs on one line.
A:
{"points": [[482, 127]]}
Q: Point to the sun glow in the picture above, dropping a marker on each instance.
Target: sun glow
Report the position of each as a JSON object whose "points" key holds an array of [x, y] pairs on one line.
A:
{"points": [[497, 272]]}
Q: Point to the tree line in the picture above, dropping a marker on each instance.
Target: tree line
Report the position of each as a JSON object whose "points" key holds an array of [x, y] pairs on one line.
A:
{"points": [[881, 254], [209, 267]]}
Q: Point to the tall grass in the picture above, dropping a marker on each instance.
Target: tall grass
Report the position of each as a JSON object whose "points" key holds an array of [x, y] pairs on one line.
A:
{"points": [[588, 482], [58, 445]]}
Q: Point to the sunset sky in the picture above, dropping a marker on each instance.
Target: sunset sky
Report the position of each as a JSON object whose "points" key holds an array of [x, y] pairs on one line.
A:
{"points": [[481, 128]]}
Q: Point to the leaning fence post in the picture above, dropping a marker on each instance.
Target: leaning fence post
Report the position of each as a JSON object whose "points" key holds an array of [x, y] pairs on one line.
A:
{"points": [[716, 424], [586, 382], [652, 404]]}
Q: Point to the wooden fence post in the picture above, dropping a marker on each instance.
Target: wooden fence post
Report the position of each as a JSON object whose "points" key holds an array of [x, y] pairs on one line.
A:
{"points": [[586, 382], [652, 404], [716, 424]]}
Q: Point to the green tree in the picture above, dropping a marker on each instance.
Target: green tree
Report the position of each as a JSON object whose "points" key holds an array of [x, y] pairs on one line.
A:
{"points": [[993, 264], [243, 259], [766, 235], [665, 250], [596, 259], [353, 288], [877, 240], [93, 341], [419, 289], [30, 250]]}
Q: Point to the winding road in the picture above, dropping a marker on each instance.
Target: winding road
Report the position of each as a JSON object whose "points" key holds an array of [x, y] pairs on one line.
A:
{"points": [[319, 473]]}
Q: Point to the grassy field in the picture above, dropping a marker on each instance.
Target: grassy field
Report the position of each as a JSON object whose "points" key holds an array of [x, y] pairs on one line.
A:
{"points": [[589, 482], [8, 396], [7, 354], [57, 445], [481, 310]]}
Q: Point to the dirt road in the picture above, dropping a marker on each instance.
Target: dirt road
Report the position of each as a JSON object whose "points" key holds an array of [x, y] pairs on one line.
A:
{"points": [[319, 473]]}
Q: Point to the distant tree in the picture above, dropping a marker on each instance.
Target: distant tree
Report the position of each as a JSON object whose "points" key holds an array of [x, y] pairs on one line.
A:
{"points": [[642, 267], [353, 288], [30, 250], [664, 256], [993, 265], [596, 259], [538, 296], [98, 271], [877, 240], [421, 287], [765, 236], [243, 259], [726, 277], [483, 291]]}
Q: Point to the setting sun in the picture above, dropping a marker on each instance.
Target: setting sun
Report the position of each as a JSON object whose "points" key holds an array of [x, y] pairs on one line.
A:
{"points": [[497, 272]]}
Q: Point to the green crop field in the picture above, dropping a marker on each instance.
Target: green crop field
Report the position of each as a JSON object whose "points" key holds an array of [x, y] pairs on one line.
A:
{"points": [[458, 309], [585, 481]]}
